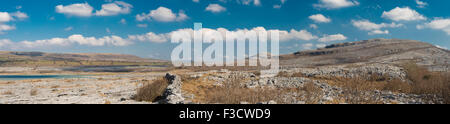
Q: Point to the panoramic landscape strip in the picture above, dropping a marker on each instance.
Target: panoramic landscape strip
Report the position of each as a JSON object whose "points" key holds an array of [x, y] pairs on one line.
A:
{"points": [[224, 52]]}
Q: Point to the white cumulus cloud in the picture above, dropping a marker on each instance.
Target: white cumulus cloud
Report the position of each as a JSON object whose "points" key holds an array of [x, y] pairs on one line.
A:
{"points": [[377, 32], [77, 9], [437, 24], [162, 14], [336, 4], [321, 45], [68, 28], [421, 4], [368, 25], [151, 37], [307, 46], [86, 10], [374, 28], [215, 8], [319, 18], [5, 43], [335, 37], [5, 17], [142, 25], [292, 35], [4, 27], [123, 21], [277, 6], [247, 2], [296, 35], [403, 14], [75, 39], [313, 26], [19, 15], [118, 7]]}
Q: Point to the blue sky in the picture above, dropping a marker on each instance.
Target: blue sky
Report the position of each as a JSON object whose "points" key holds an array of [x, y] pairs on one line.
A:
{"points": [[140, 27]]}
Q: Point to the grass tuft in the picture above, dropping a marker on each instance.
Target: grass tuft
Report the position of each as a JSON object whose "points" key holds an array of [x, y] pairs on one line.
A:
{"points": [[33, 92], [152, 90]]}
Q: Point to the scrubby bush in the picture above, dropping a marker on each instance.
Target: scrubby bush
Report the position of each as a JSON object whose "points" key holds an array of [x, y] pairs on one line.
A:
{"points": [[426, 82], [152, 90]]}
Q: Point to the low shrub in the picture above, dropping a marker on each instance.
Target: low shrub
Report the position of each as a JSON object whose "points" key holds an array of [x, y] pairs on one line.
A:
{"points": [[152, 90]]}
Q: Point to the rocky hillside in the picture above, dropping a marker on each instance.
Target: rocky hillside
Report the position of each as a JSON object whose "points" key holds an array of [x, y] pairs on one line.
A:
{"points": [[384, 51]]}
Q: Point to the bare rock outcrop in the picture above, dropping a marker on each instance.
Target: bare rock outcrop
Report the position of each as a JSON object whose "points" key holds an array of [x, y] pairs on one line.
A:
{"points": [[352, 72], [279, 82], [172, 94]]}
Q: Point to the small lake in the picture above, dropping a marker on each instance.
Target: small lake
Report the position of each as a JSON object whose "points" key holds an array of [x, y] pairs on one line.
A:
{"points": [[111, 68], [27, 77]]}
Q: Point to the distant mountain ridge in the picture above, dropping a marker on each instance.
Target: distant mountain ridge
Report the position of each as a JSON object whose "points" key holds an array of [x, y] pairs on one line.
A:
{"points": [[12, 58]]}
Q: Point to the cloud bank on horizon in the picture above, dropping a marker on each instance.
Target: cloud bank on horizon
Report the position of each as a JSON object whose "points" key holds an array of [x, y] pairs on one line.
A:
{"points": [[141, 26]]}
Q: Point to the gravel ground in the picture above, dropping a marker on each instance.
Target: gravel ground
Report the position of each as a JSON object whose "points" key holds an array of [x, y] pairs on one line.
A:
{"points": [[104, 89]]}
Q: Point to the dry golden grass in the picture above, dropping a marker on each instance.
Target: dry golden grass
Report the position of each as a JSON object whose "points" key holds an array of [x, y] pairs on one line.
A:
{"points": [[356, 91], [283, 74], [10, 82], [196, 86], [312, 93], [233, 92], [420, 81], [426, 82], [399, 86], [7, 93], [257, 73], [151, 91], [286, 74], [33, 92], [436, 85], [69, 80], [55, 86], [298, 75], [36, 81], [107, 102]]}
